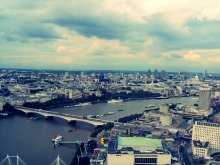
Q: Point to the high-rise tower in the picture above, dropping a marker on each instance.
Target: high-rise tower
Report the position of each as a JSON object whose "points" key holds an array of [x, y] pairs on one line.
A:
{"points": [[205, 74], [204, 98]]}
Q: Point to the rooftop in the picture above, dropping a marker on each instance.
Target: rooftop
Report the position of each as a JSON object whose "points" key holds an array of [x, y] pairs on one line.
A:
{"points": [[204, 123], [200, 144], [139, 142]]}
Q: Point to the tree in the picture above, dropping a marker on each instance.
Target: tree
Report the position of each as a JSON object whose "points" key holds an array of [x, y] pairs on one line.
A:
{"points": [[91, 145], [8, 108], [84, 161], [77, 154], [99, 129]]}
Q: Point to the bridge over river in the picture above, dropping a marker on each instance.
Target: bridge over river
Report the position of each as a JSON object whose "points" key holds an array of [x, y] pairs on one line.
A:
{"points": [[68, 117]]}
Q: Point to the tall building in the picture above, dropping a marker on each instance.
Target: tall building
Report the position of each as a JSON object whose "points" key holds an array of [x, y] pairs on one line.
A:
{"points": [[149, 73], [156, 73], [178, 91], [207, 132], [205, 74], [204, 98], [162, 74]]}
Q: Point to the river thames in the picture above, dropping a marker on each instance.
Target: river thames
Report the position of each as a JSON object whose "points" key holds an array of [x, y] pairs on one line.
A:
{"points": [[31, 139]]}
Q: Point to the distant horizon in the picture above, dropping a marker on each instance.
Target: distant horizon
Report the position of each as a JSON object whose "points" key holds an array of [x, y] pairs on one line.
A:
{"points": [[104, 70]]}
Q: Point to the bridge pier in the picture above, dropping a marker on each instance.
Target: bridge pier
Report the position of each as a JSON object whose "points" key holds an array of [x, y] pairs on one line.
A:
{"points": [[49, 117], [72, 122], [30, 114], [22, 113]]}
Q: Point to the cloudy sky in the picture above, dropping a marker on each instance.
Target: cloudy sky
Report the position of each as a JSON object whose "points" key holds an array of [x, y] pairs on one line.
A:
{"points": [[174, 35]]}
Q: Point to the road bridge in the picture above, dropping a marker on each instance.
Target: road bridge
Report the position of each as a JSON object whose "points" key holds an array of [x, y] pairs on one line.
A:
{"points": [[67, 117]]}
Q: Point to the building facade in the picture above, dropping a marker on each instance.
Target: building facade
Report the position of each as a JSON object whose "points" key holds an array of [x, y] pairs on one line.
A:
{"points": [[200, 149], [138, 159], [137, 151], [166, 120], [204, 98], [164, 108], [207, 132]]}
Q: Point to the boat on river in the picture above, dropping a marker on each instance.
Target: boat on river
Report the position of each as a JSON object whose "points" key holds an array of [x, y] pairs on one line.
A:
{"points": [[82, 104], [162, 97], [110, 113], [57, 139], [115, 101], [71, 130]]}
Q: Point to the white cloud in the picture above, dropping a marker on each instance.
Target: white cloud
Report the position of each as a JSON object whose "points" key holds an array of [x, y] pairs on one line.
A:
{"points": [[61, 49], [191, 56]]}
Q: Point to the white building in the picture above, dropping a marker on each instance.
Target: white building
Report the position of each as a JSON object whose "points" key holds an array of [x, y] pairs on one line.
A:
{"points": [[178, 91], [137, 151], [207, 132], [1, 105], [195, 80], [164, 108], [75, 94], [2, 102], [166, 120], [200, 149], [217, 94]]}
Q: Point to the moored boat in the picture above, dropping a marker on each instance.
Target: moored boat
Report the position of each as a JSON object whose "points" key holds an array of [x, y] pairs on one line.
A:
{"points": [[57, 139], [162, 97], [110, 113], [115, 101], [82, 104]]}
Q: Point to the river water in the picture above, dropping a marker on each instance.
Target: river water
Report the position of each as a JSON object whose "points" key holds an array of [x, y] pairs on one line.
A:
{"points": [[31, 139]]}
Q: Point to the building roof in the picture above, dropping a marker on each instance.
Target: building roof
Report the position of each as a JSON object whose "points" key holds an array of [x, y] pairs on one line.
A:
{"points": [[200, 144], [204, 123], [139, 141]]}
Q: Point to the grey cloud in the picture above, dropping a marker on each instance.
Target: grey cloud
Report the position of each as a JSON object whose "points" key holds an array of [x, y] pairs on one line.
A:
{"points": [[113, 27], [157, 26], [26, 31], [100, 27], [37, 31], [176, 56], [203, 34]]}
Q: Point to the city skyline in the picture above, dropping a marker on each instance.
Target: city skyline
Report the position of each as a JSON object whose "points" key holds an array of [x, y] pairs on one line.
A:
{"points": [[110, 35]]}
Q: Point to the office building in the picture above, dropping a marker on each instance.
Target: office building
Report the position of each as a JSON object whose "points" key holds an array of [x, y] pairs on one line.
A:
{"points": [[205, 74], [164, 108], [137, 151], [166, 120], [200, 149], [204, 98], [178, 91], [207, 132]]}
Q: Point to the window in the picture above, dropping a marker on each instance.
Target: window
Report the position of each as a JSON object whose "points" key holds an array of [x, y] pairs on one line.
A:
{"points": [[145, 161]]}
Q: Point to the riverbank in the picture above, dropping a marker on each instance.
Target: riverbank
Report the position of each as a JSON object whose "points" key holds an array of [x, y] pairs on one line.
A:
{"points": [[103, 101]]}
